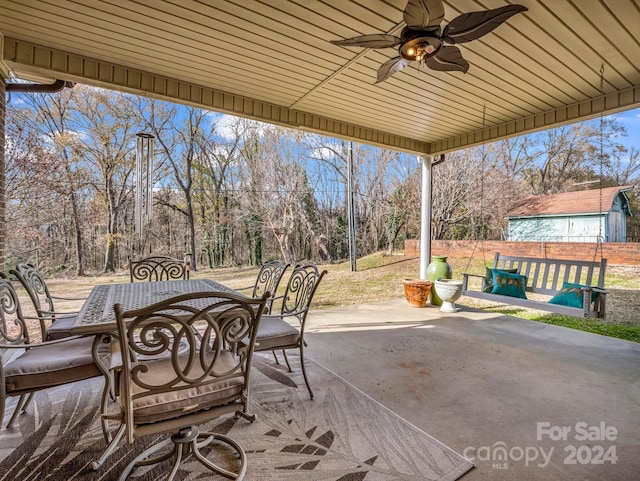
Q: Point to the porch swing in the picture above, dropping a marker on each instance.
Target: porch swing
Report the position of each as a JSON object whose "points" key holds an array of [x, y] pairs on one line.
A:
{"points": [[576, 288]]}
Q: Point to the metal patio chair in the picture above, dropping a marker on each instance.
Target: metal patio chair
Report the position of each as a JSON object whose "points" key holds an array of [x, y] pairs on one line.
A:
{"points": [[275, 332], [185, 361], [27, 366]]}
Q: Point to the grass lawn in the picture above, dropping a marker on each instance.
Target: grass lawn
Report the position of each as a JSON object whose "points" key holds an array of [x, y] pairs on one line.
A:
{"points": [[378, 278]]}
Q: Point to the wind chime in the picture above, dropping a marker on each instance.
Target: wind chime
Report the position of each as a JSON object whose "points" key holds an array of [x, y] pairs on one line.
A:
{"points": [[144, 183]]}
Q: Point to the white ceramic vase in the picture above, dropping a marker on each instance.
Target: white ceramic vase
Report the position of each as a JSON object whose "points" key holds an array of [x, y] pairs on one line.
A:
{"points": [[449, 291]]}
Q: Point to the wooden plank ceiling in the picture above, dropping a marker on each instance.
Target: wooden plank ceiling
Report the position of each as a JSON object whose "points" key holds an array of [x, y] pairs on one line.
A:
{"points": [[272, 60]]}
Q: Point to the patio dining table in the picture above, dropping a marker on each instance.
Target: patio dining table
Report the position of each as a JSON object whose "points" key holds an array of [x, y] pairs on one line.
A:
{"points": [[97, 315]]}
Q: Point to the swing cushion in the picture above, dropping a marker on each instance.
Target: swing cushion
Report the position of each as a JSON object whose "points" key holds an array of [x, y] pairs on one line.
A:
{"points": [[488, 277], [571, 295], [509, 284]]}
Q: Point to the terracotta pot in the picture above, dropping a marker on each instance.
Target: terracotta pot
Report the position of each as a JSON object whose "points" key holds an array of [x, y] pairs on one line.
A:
{"points": [[417, 291]]}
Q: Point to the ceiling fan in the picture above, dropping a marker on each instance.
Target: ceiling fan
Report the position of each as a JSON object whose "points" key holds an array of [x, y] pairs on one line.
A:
{"points": [[423, 39]]}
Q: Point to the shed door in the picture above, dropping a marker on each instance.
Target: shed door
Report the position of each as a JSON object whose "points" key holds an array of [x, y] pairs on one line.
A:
{"points": [[617, 227]]}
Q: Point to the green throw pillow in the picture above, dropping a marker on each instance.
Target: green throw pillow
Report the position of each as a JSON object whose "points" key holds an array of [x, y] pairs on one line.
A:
{"points": [[509, 284], [571, 295], [488, 277]]}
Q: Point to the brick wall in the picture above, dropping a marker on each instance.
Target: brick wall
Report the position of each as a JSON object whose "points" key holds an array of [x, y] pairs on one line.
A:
{"points": [[617, 253], [3, 89]]}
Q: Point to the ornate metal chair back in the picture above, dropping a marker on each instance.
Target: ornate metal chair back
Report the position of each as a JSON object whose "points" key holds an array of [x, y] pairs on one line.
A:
{"points": [[13, 329], [34, 283], [159, 268], [269, 278], [300, 289]]}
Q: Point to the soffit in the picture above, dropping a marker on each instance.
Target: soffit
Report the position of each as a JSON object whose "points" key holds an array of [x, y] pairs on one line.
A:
{"points": [[272, 60]]}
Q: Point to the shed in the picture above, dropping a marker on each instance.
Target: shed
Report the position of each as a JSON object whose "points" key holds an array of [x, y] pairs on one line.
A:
{"points": [[581, 216]]}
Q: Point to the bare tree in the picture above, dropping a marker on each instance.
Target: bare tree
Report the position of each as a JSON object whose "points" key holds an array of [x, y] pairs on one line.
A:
{"points": [[624, 167], [107, 146], [272, 182], [51, 116], [375, 170], [555, 160], [27, 194], [470, 196], [403, 216], [215, 173], [182, 142]]}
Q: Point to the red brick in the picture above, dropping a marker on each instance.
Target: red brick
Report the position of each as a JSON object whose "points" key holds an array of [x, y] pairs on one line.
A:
{"points": [[617, 253]]}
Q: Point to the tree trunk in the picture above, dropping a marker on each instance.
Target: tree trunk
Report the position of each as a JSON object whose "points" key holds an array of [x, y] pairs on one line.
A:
{"points": [[392, 238], [192, 233], [283, 242], [108, 254], [111, 242], [78, 235]]}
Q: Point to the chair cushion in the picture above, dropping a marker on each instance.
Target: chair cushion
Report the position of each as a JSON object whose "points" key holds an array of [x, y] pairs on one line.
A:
{"points": [[275, 333], [60, 328], [182, 399], [53, 365]]}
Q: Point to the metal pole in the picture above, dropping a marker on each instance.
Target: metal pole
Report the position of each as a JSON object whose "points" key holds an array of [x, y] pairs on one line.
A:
{"points": [[351, 209], [425, 226]]}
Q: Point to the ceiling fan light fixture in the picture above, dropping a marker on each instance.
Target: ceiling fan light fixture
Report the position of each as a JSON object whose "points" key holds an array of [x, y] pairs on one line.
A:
{"points": [[420, 48], [423, 38]]}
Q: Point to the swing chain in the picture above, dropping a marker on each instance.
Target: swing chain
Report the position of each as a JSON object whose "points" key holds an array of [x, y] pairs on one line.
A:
{"points": [[600, 240], [474, 227]]}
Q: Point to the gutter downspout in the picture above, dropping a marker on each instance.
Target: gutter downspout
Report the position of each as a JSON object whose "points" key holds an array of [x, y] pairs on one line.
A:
{"points": [[56, 86]]}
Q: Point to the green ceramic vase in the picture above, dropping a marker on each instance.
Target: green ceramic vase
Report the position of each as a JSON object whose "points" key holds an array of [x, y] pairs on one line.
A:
{"points": [[438, 269]]}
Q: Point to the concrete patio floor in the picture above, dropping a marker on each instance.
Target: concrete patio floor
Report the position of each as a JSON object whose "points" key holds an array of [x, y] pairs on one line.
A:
{"points": [[528, 401]]}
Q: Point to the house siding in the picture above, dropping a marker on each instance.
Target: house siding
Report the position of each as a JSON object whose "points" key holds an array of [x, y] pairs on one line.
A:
{"points": [[571, 217], [586, 228]]}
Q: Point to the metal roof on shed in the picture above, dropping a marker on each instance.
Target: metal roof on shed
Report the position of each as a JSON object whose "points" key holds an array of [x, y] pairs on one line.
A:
{"points": [[567, 203]]}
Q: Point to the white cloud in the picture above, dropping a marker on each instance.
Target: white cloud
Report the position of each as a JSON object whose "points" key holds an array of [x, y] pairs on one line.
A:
{"points": [[630, 118], [227, 125], [65, 138]]}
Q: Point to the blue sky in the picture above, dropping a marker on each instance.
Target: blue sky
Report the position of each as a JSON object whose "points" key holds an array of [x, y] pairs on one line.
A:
{"points": [[631, 120]]}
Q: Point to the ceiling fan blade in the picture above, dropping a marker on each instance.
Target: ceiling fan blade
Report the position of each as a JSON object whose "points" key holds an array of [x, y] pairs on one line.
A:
{"points": [[448, 59], [375, 40], [470, 26], [423, 13], [390, 67]]}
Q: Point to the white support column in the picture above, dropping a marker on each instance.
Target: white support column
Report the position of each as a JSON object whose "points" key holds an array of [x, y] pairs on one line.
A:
{"points": [[425, 226]]}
